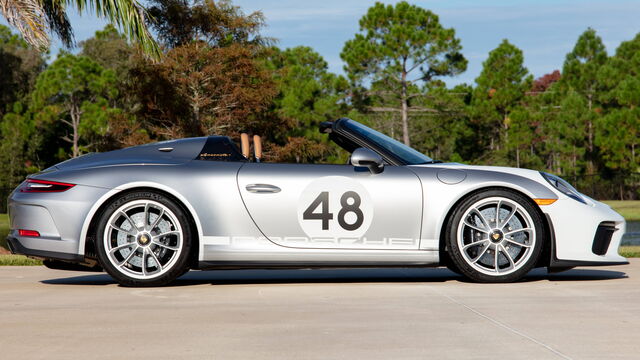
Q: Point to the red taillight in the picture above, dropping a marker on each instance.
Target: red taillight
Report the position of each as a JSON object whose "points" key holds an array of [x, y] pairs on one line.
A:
{"points": [[33, 185], [32, 233]]}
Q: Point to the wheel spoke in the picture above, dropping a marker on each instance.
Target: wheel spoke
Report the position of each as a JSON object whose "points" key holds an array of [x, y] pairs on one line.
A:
{"points": [[495, 262], [483, 241], [518, 230], [174, 248], [157, 221], [475, 227], [484, 221], [133, 224], [155, 258], [498, 212], [144, 262], [484, 251], [120, 247], [126, 260], [517, 243], [508, 256], [514, 209], [165, 234], [130, 231], [146, 216]]}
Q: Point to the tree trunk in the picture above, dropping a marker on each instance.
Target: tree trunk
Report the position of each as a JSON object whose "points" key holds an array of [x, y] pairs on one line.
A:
{"points": [[517, 157], [590, 168], [506, 130], [75, 124], [590, 126], [405, 110]]}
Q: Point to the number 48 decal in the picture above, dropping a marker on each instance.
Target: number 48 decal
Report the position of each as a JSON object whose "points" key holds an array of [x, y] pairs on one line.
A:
{"points": [[325, 215]]}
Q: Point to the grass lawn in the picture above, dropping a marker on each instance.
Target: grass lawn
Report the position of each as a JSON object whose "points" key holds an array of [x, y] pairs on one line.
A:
{"points": [[4, 230], [630, 209], [630, 251], [18, 260]]}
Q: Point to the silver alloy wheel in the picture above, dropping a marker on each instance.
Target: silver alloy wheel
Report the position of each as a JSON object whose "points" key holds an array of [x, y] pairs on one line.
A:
{"points": [[496, 236], [143, 239]]}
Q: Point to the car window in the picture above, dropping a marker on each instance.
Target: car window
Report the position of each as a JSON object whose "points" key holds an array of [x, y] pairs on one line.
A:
{"points": [[408, 155]]}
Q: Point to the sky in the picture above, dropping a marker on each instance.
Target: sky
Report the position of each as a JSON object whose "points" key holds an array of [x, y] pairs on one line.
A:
{"points": [[546, 30]]}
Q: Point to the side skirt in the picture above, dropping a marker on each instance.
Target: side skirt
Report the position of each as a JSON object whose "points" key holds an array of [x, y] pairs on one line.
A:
{"points": [[232, 257]]}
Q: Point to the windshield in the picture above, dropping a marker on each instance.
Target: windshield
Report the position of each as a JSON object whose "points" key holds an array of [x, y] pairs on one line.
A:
{"points": [[408, 155]]}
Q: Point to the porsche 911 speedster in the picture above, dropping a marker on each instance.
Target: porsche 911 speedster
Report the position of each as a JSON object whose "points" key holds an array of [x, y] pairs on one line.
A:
{"points": [[147, 214]]}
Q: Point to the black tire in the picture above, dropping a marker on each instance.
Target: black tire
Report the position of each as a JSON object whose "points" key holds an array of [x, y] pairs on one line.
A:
{"points": [[481, 252], [445, 260], [178, 259]]}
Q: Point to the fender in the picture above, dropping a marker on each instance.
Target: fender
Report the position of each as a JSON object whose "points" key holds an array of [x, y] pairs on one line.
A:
{"points": [[133, 185]]}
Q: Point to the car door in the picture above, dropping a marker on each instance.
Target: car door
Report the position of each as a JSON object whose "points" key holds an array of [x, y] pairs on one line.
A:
{"points": [[333, 206]]}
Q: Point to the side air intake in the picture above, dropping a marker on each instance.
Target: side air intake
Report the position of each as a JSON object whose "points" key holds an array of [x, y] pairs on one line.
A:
{"points": [[603, 237]]}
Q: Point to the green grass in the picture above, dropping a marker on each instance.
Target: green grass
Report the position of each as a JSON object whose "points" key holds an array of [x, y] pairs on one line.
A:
{"points": [[18, 260], [4, 230], [630, 209], [630, 251]]}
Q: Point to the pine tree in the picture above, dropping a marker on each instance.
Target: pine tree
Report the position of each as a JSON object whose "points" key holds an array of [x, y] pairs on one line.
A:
{"points": [[401, 47], [501, 86]]}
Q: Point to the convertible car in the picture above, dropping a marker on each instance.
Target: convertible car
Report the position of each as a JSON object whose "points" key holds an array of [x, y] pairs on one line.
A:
{"points": [[150, 213]]}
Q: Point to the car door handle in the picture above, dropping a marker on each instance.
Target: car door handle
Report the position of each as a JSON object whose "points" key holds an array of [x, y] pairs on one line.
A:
{"points": [[262, 188]]}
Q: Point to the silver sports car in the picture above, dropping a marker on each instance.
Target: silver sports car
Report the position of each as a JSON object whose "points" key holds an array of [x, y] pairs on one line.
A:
{"points": [[148, 214]]}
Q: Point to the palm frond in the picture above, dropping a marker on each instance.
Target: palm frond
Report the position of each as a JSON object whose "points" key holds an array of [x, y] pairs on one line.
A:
{"points": [[58, 21], [35, 18], [28, 17], [128, 15]]}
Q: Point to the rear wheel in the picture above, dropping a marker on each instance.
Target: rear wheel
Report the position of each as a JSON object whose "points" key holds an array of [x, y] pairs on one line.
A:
{"points": [[495, 236], [144, 239]]}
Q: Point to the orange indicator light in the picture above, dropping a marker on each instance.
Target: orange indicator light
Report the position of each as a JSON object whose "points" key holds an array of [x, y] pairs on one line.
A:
{"points": [[544, 201]]}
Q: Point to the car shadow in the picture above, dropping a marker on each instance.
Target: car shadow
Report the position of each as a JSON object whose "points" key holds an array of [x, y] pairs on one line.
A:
{"points": [[310, 276]]}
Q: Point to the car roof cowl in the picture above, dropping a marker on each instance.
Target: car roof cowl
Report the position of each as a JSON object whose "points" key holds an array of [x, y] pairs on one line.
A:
{"points": [[171, 152]]}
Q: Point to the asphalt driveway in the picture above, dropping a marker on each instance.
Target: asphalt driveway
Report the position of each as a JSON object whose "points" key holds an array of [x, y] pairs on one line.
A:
{"points": [[585, 313]]}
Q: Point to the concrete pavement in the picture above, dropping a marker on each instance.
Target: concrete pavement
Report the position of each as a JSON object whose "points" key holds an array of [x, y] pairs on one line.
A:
{"points": [[585, 313]]}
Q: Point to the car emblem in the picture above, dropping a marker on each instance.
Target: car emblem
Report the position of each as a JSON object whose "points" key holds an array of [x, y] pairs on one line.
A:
{"points": [[144, 239], [495, 236]]}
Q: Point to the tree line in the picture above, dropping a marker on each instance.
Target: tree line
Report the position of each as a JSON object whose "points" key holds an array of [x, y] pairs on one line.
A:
{"points": [[219, 75]]}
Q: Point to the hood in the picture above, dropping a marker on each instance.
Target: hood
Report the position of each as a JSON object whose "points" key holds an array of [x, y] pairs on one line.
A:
{"points": [[527, 173], [171, 152]]}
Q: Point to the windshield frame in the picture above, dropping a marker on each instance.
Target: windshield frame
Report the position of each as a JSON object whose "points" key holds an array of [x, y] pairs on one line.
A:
{"points": [[381, 143]]}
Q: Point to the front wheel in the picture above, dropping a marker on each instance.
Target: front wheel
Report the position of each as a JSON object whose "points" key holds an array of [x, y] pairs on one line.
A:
{"points": [[143, 239], [495, 236]]}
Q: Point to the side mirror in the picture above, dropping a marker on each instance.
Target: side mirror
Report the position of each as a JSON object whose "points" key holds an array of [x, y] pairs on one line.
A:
{"points": [[367, 158]]}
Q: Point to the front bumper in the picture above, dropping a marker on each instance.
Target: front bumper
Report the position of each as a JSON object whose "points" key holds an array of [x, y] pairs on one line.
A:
{"points": [[575, 233]]}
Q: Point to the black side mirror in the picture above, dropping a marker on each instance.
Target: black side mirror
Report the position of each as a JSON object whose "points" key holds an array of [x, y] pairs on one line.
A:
{"points": [[367, 158]]}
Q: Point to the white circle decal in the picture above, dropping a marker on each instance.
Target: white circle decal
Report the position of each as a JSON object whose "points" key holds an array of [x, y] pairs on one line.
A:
{"points": [[335, 207]]}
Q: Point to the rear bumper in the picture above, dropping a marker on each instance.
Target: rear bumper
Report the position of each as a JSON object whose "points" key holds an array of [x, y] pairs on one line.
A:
{"points": [[20, 246], [57, 217]]}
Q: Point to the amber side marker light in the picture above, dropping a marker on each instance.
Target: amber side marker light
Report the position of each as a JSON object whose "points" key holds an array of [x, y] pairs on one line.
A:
{"points": [[31, 233], [544, 201]]}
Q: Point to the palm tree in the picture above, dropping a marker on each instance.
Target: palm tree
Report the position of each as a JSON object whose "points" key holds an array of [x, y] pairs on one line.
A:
{"points": [[36, 18]]}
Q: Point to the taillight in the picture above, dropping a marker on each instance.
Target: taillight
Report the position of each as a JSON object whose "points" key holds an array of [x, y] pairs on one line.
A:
{"points": [[31, 233], [33, 185]]}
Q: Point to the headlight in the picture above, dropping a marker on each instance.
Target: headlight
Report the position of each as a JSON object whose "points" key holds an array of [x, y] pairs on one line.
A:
{"points": [[563, 186]]}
